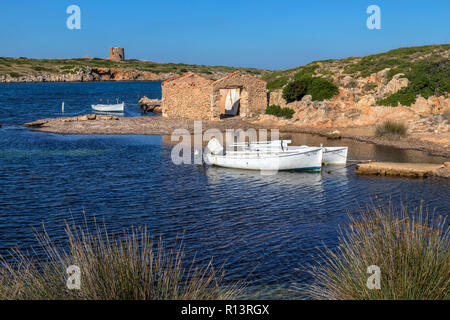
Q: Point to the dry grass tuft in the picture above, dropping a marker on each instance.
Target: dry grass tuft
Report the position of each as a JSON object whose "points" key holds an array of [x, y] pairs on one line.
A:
{"points": [[412, 251], [391, 129], [130, 266]]}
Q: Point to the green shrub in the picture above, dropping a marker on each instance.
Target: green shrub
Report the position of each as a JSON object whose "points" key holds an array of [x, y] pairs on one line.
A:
{"points": [[295, 90], [280, 112], [318, 88], [126, 267], [404, 96], [426, 78], [277, 83], [411, 250], [321, 89], [391, 129]]}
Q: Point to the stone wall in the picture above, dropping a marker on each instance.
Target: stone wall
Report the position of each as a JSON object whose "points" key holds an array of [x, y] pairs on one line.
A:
{"points": [[195, 97], [187, 96]]}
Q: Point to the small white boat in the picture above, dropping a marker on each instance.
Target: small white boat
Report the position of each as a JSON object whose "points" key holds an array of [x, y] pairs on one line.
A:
{"points": [[119, 107], [308, 158], [335, 155], [331, 155]]}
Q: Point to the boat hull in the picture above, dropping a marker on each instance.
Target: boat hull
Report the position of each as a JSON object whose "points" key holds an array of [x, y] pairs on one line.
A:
{"points": [[108, 107], [331, 155], [310, 160], [335, 155]]}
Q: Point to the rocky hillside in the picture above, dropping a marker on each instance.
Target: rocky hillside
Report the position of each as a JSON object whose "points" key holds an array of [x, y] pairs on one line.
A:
{"points": [[408, 84], [55, 70]]}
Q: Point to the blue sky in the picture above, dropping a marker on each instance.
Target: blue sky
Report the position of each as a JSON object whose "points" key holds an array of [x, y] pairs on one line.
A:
{"points": [[264, 34]]}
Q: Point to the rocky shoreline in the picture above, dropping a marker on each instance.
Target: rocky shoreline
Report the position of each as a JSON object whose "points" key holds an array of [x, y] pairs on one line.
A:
{"points": [[87, 74]]}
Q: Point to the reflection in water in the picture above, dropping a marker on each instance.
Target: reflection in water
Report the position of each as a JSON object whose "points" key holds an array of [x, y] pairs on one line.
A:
{"points": [[311, 181]]}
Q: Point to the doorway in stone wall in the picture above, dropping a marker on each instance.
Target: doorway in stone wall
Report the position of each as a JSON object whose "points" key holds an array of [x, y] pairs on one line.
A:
{"points": [[230, 102]]}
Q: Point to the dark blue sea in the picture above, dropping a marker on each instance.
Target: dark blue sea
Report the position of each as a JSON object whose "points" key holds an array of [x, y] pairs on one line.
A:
{"points": [[261, 229]]}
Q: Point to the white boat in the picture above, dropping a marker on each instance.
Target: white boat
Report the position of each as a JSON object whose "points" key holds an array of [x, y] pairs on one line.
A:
{"points": [[109, 107], [308, 158], [331, 155], [335, 155]]}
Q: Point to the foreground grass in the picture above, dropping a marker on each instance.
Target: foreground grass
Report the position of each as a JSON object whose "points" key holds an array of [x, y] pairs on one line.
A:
{"points": [[130, 266], [412, 251]]}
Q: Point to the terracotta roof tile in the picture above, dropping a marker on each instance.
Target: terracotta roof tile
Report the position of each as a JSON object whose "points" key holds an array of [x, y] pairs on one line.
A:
{"points": [[176, 77]]}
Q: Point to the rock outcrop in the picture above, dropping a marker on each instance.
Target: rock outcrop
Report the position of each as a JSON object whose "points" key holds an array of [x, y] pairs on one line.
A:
{"points": [[150, 105], [356, 105]]}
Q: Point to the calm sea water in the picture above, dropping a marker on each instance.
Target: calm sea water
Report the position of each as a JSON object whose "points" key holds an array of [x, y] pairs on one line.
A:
{"points": [[262, 229]]}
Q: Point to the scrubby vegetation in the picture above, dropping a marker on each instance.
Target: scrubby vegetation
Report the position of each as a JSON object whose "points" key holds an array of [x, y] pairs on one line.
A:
{"points": [[130, 266], [295, 90], [321, 89], [426, 78], [306, 72], [277, 83], [280, 112], [397, 58], [318, 88], [412, 251], [391, 129]]}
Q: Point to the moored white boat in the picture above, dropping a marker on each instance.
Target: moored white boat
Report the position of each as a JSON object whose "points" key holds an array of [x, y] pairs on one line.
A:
{"points": [[308, 158], [109, 107], [331, 155], [335, 155]]}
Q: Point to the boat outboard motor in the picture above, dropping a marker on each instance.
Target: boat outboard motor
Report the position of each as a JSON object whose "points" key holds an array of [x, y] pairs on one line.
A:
{"points": [[214, 146]]}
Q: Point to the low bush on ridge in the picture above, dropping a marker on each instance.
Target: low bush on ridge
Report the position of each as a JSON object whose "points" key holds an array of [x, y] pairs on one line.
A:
{"points": [[321, 89], [411, 250], [391, 128], [280, 112], [129, 267], [318, 88], [295, 90]]}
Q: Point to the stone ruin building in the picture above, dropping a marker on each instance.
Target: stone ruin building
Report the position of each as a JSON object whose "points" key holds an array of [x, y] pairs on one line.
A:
{"points": [[116, 54], [194, 96]]}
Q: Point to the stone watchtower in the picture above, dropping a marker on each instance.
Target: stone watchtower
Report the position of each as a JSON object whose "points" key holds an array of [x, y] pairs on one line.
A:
{"points": [[116, 54]]}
